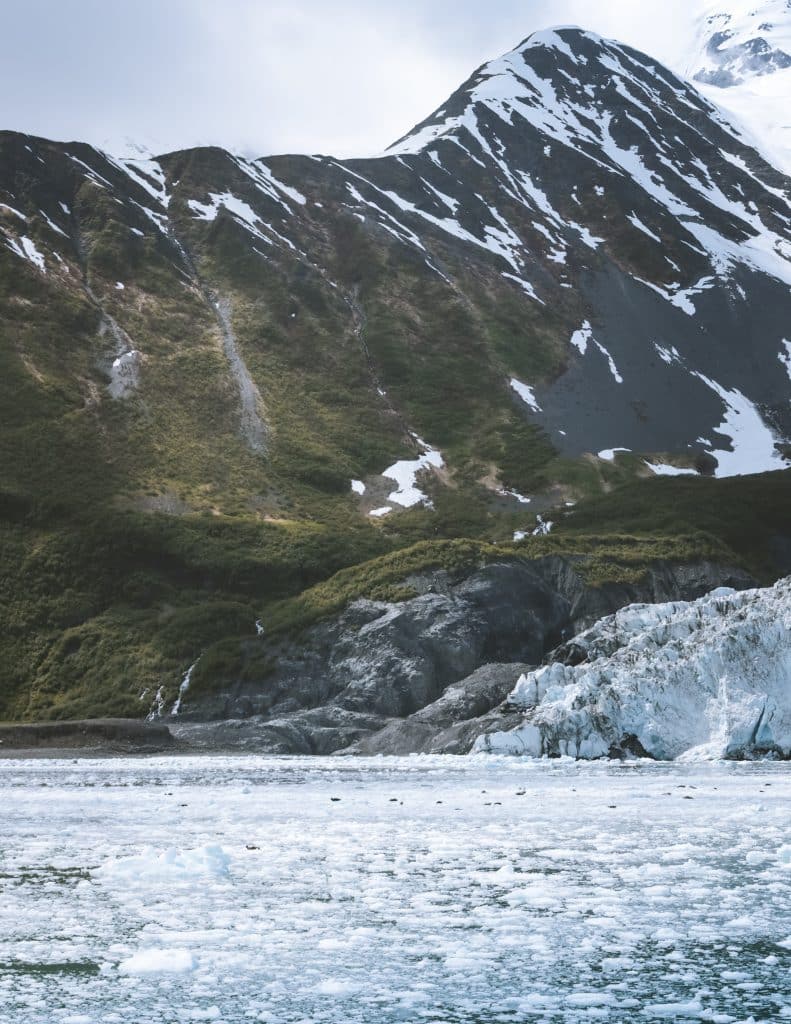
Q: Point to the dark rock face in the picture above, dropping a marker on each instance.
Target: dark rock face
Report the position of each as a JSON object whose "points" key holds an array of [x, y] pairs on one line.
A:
{"points": [[428, 675], [451, 724], [392, 660]]}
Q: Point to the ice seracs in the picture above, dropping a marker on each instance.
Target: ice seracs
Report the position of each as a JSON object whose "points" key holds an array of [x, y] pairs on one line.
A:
{"points": [[703, 679]]}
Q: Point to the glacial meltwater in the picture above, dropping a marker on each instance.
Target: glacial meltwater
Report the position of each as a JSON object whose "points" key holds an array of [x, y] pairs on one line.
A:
{"points": [[465, 890]]}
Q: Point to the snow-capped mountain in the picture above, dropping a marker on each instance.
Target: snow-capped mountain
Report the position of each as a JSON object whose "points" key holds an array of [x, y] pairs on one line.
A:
{"points": [[574, 275], [742, 41], [709, 678], [594, 142], [648, 245], [740, 56]]}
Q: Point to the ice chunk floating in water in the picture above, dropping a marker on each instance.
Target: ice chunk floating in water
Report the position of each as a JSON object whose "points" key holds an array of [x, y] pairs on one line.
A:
{"points": [[352, 891], [158, 961]]}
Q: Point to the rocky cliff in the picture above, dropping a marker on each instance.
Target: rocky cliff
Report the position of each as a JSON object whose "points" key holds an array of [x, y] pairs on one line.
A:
{"points": [[423, 674]]}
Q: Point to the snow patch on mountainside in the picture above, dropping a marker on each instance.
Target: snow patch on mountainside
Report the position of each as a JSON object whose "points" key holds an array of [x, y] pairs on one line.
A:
{"points": [[753, 445], [276, 189], [662, 469], [27, 249], [526, 393], [227, 200], [785, 356], [581, 338], [704, 679], [405, 474]]}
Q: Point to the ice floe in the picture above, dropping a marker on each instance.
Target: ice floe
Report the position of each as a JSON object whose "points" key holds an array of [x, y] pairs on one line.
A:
{"points": [[172, 864], [391, 890], [159, 961]]}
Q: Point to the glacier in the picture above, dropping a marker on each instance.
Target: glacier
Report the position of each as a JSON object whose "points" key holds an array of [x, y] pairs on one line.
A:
{"points": [[705, 679]]}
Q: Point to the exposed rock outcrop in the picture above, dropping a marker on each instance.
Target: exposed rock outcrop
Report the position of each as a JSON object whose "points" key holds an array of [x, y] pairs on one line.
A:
{"points": [[424, 675]]}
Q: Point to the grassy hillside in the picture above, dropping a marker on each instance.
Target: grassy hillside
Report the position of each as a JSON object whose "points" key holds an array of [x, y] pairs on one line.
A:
{"points": [[141, 532], [98, 612]]}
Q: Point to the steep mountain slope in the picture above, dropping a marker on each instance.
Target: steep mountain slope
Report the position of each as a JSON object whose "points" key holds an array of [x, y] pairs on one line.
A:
{"points": [[221, 380], [606, 151]]}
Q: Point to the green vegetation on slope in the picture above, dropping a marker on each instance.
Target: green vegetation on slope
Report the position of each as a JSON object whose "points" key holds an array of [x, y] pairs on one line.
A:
{"points": [[750, 516], [105, 600]]}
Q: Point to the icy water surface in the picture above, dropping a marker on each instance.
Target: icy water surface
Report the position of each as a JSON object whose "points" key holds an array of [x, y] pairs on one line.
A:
{"points": [[423, 889]]}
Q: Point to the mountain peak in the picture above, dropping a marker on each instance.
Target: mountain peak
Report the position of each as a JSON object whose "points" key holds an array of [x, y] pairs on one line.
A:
{"points": [[512, 78], [557, 79], [741, 41]]}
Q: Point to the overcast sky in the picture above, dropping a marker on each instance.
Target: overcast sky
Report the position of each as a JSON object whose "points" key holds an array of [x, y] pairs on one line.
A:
{"points": [[346, 77]]}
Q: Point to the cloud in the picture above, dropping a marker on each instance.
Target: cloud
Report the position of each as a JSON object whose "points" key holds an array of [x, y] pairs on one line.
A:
{"points": [[260, 76]]}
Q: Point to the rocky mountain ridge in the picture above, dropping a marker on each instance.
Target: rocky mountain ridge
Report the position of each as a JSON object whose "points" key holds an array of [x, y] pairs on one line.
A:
{"points": [[224, 380], [571, 165]]}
